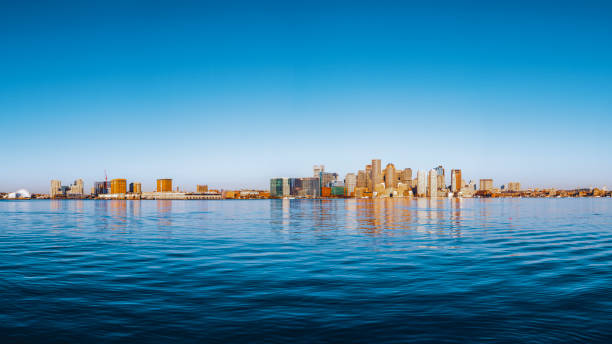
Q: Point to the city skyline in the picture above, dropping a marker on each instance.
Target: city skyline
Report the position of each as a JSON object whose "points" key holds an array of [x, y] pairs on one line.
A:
{"points": [[234, 95]]}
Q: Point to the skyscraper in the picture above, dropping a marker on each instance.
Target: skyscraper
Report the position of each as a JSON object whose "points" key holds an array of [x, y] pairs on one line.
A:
{"points": [[56, 188], [368, 172], [376, 172], [361, 179], [350, 182], [421, 183], [456, 180], [317, 169], [390, 179], [432, 183], [164, 185]]}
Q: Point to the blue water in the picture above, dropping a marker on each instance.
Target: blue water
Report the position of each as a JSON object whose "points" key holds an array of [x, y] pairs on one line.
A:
{"points": [[302, 271]]}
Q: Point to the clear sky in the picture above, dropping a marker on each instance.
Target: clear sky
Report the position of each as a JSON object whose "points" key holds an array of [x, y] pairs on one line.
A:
{"points": [[234, 93]]}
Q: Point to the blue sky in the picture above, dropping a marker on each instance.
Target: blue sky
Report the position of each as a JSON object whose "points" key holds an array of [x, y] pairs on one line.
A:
{"points": [[233, 93]]}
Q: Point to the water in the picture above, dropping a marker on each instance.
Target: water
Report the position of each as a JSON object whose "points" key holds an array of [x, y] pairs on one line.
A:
{"points": [[299, 271]]}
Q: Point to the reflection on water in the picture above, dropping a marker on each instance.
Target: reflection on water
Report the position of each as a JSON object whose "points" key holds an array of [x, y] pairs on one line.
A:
{"points": [[388, 270]]}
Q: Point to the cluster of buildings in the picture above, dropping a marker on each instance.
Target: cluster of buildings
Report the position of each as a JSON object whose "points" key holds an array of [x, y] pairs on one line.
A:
{"points": [[119, 188], [370, 182], [375, 182]]}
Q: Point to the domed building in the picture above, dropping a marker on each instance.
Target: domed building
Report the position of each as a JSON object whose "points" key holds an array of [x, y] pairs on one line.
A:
{"points": [[20, 194]]}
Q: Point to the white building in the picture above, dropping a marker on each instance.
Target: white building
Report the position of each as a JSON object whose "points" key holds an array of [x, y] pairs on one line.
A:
{"points": [[350, 182], [421, 184], [21, 193], [433, 183]]}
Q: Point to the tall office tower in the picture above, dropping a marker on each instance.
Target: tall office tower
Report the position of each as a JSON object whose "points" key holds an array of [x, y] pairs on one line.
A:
{"points": [[432, 183], [361, 179], [101, 188], [350, 182], [118, 186], [317, 169], [56, 188], [441, 182], [456, 180], [376, 172], [368, 170], [406, 176], [201, 188], [486, 184], [390, 179], [164, 185], [421, 183]]}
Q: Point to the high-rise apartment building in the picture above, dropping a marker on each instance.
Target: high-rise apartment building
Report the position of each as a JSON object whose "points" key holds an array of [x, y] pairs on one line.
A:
{"points": [[136, 188], [56, 188], [350, 182], [421, 183], [432, 183], [201, 188], [317, 169], [390, 179], [77, 188], [456, 180], [486, 184], [164, 185], [118, 186]]}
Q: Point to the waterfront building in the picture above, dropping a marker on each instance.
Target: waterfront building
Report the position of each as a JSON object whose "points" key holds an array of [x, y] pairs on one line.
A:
{"points": [[514, 186], [361, 179], [73, 191], [406, 176], [368, 172], [310, 187], [164, 185], [76, 189], [350, 182], [390, 179], [56, 188], [456, 181], [201, 188], [118, 186], [136, 188], [376, 172], [432, 185], [421, 183], [279, 187], [101, 188], [486, 184]]}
